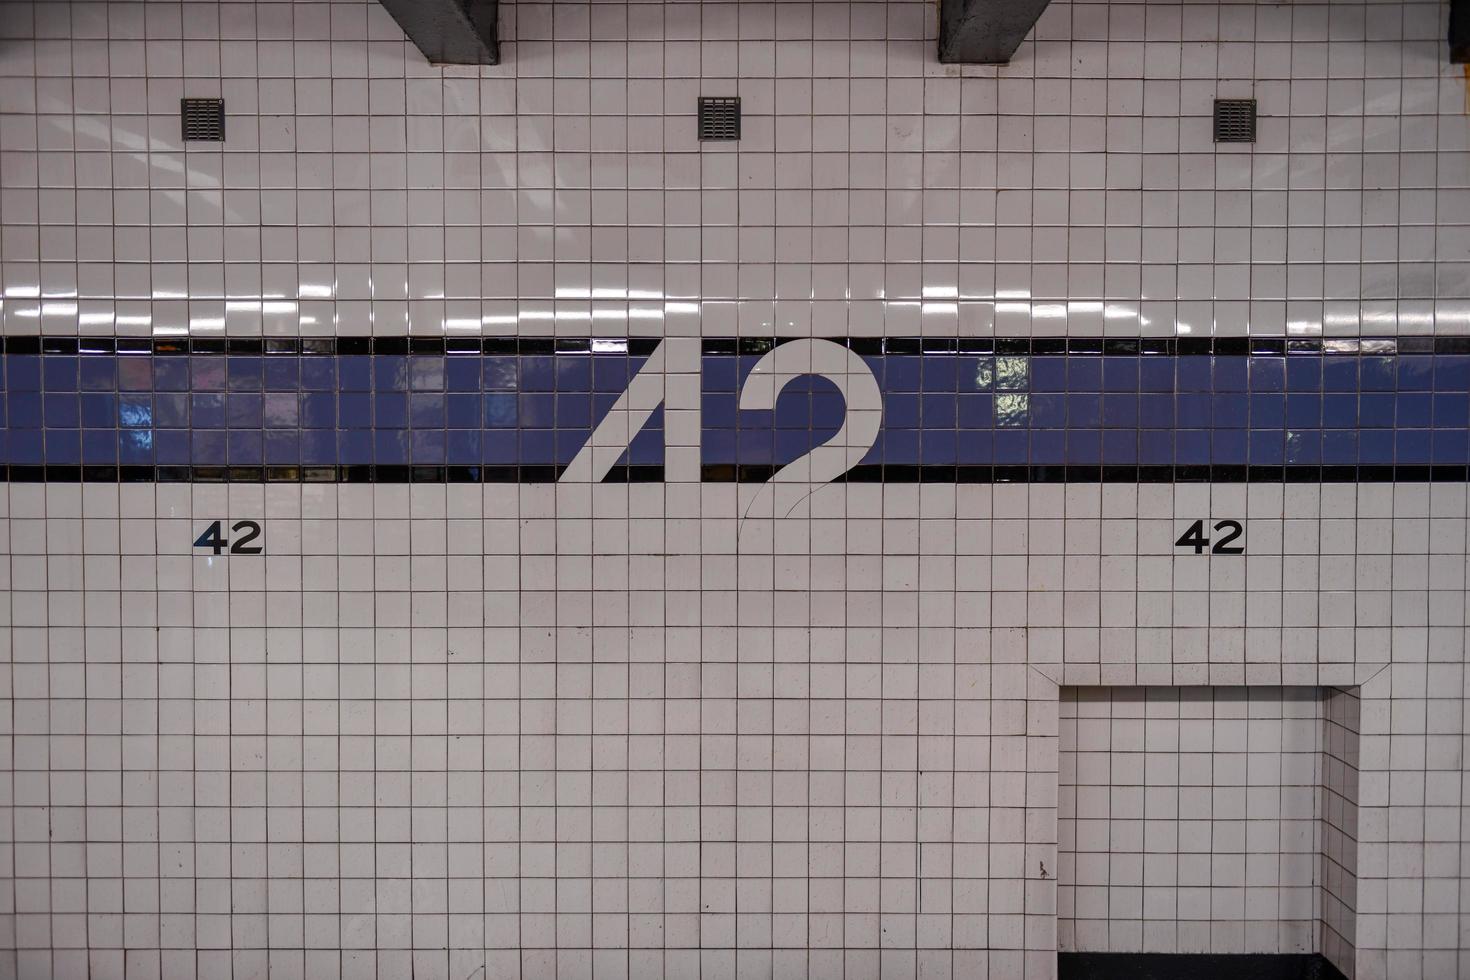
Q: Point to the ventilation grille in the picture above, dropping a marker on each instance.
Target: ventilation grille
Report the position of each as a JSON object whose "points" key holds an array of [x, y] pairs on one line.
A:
{"points": [[203, 119], [719, 118], [1235, 120]]}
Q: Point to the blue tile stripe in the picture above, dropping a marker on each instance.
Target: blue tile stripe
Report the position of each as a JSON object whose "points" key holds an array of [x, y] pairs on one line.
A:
{"points": [[503, 409]]}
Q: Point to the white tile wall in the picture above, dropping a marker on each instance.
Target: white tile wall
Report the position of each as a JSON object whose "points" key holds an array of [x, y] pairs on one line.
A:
{"points": [[439, 731], [875, 191], [1338, 871], [1193, 820]]}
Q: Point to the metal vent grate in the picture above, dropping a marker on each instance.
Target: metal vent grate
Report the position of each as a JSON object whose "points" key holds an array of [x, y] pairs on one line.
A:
{"points": [[203, 119], [719, 118], [1235, 120]]}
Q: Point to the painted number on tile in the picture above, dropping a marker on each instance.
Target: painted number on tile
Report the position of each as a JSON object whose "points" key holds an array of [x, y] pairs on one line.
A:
{"points": [[213, 537], [1195, 538]]}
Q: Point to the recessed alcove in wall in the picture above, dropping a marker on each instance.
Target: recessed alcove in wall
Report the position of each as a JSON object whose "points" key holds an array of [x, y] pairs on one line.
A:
{"points": [[1208, 820]]}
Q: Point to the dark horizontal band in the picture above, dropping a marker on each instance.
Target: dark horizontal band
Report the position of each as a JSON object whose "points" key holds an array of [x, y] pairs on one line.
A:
{"points": [[311, 474], [328, 346], [867, 473], [643, 346], [1108, 346], [885, 473], [1195, 966]]}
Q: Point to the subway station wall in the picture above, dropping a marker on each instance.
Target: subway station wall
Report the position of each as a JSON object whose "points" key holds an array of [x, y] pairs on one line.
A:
{"points": [[463, 525]]}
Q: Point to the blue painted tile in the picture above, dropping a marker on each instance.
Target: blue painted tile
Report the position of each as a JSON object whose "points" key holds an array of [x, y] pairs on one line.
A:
{"points": [[537, 373], [573, 409], [164, 448], [319, 373], [1268, 374], [462, 374], [1303, 373], [503, 374], [1303, 410], [1230, 410], [1415, 372], [1340, 374], [61, 410], [427, 410], [1230, 447], [1048, 447], [1414, 410], [1120, 374], [356, 446], [1231, 374], [318, 411], [390, 410], [938, 447], [281, 410], [283, 447], [355, 410], [1048, 374], [99, 448], [462, 411], [22, 372], [1084, 373], [207, 411], [1156, 374], [1047, 411], [1375, 447], [59, 373], [282, 374], [153, 374], [26, 446], [208, 373], [1339, 448], [426, 373], [208, 447], [1377, 374], [462, 447], [390, 373], [245, 373], [1084, 447], [246, 448], [901, 373], [63, 447], [573, 373], [98, 410], [243, 411], [426, 447], [936, 411], [355, 373], [940, 409], [501, 410], [1195, 373], [536, 411], [391, 448], [940, 374], [538, 447], [1412, 447]]}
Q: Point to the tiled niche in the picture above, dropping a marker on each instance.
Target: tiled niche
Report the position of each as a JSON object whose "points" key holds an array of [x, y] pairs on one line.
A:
{"points": [[1208, 820]]}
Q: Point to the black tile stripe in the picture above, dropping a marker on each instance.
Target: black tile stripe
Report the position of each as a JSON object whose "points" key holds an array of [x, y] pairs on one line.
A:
{"points": [[905, 473], [747, 346], [312, 346], [1108, 346], [730, 473], [1196, 966]]}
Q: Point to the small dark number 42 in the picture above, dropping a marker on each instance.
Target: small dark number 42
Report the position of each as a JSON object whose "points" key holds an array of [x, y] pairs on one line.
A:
{"points": [[1195, 538], [213, 538]]}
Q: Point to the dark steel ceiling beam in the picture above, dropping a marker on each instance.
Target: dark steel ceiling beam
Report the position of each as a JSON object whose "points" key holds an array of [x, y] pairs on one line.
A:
{"points": [[988, 32], [450, 32], [1460, 32]]}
